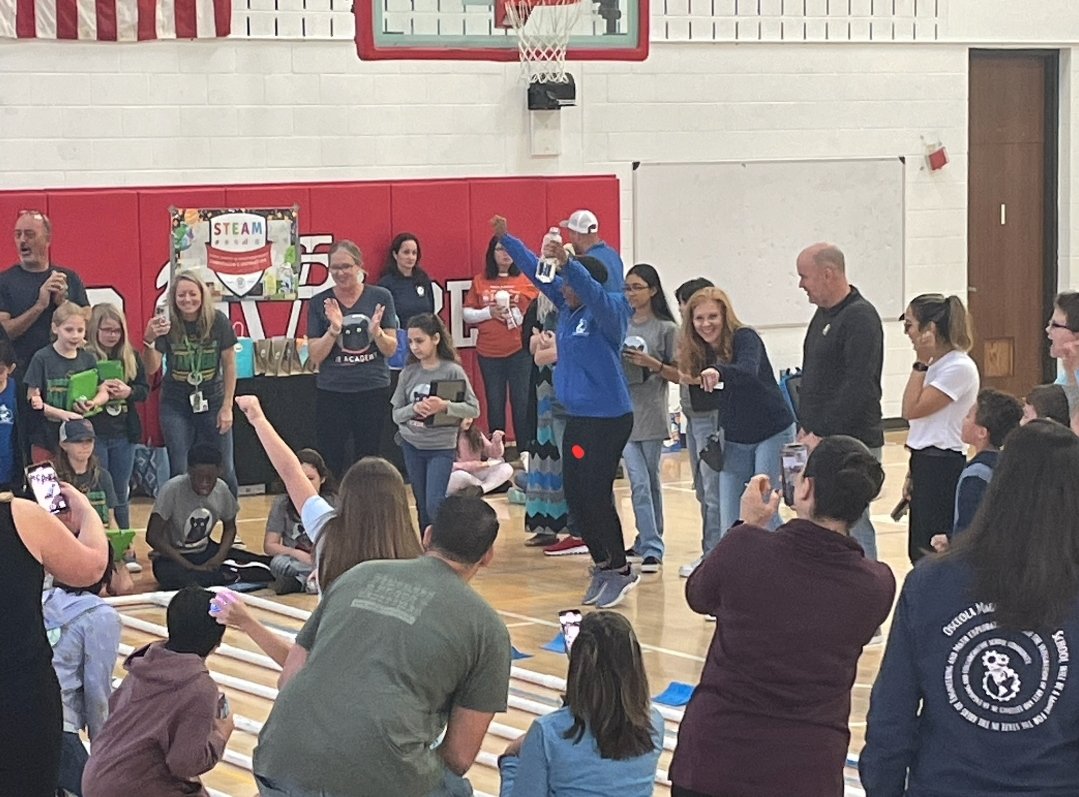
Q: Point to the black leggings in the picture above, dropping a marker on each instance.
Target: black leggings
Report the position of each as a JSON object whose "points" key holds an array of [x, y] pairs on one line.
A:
{"points": [[591, 448], [344, 418], [934, 475]]}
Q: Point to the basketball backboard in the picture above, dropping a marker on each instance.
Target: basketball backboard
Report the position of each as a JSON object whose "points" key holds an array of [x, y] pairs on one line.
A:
{"points": [[476, 30]]}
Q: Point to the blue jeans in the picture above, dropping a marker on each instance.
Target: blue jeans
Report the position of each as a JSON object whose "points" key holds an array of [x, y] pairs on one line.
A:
{"points": [[863, 532], [706, 482], [183, 428], [642, 467], [429, 474], [117, 456], [743, 461], [516, 371]]}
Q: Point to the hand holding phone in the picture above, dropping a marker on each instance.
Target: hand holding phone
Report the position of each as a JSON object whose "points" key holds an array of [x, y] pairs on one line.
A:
{"points": [[793, 460], [45, 485]]}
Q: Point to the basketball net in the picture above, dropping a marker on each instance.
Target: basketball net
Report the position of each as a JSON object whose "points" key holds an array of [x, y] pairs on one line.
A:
{"points": [[543, 29]]}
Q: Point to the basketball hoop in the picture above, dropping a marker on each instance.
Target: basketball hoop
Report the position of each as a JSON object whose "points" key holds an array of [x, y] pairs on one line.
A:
{"points": [[543, 29]]}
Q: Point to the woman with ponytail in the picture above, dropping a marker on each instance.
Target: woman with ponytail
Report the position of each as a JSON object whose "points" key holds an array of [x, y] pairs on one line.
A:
{"points": [[793, 610], [942, 387], [607, 738]]}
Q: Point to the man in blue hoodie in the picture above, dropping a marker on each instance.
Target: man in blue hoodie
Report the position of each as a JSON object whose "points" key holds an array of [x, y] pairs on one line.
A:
{"points": [[591, 384]]}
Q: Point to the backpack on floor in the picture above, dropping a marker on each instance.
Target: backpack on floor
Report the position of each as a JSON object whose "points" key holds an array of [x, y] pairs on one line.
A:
{"points": [[151, 470]]}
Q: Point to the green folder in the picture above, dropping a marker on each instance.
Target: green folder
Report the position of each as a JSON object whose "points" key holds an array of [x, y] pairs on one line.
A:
{"points": [[120, 542], [110, 369], [82, 385]]}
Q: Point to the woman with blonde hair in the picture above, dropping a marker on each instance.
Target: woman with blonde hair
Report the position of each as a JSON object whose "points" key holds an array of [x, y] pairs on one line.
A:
{"points": [[941, 389], [726, 366], [195, 341], [371, 521], [118, 428]]}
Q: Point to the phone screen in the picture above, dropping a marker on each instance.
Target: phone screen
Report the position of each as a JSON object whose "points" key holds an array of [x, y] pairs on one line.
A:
{"points": [[45, 486], [570, 620], [793, 461]]}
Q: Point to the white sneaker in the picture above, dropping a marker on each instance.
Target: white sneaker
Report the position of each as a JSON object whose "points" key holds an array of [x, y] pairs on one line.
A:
{"points": [[131, 563], [685, 571]]}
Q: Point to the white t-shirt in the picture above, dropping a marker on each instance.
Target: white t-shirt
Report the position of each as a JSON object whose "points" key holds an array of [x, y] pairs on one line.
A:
{"points": [[956, 376]]}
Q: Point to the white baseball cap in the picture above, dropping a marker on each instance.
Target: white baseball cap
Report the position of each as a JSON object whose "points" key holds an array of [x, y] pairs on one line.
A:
{"points": [[582, 221]]}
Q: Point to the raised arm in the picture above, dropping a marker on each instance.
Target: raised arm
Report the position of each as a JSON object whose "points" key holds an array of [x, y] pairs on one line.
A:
{"points": [[526, 260], [282, 458]]}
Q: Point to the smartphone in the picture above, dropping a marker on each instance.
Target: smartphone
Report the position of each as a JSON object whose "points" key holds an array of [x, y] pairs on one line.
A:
{"points": [[792, 462], [570, 620], [45, 485], [223, 708]]}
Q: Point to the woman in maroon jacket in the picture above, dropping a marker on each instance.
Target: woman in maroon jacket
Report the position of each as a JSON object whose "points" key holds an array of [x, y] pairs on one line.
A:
{"points": [[793, 608]]}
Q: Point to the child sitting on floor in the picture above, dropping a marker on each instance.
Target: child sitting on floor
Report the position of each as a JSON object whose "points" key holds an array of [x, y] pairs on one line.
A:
{"points": [[479, 467], [186, 511], [993, 417], [286, 540]]}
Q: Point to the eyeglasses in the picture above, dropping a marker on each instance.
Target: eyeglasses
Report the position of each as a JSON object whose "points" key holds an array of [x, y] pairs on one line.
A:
{"points": [[634, 288]]}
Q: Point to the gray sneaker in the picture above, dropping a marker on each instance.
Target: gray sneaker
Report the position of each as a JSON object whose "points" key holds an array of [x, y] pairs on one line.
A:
{"points": [[615, 588], [595, 586]]}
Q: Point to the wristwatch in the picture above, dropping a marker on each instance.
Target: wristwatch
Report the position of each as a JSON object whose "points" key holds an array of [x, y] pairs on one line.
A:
{"points": [[920, 367]]}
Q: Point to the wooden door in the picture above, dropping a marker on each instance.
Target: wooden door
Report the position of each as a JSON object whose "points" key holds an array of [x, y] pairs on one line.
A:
{"points": [[1011, 229]]}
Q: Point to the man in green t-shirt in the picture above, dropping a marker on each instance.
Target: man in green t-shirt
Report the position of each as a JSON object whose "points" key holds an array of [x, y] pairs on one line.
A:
{"points": [[396, 652]]}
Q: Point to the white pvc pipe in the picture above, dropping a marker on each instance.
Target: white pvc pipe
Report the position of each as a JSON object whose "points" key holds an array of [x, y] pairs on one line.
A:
{"points": [[228, 651], [559, 684]]}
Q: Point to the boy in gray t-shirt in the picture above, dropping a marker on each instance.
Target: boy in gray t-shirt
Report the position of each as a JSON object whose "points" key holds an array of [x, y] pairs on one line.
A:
{"points": [[186, 510]]}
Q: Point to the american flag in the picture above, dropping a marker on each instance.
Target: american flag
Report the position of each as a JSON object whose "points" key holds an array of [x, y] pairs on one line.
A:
{"points": [[114, 20]]}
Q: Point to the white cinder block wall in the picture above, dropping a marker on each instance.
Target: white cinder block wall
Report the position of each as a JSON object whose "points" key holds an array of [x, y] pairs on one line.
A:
{"points": [[264, 110]]}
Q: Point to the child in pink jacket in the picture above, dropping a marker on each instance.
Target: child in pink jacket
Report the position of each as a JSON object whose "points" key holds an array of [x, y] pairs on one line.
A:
{"points": [[479, 467]]}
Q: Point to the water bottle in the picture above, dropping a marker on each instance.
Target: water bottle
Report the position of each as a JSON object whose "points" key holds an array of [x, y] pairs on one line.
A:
{"points": [[548, 266]]}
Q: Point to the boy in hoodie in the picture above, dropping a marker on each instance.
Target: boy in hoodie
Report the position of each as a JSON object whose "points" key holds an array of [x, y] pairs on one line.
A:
{"points": [[84, 632], [164, 729]]}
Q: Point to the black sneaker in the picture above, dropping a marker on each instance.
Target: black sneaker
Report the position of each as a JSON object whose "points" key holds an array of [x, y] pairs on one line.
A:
{"points": [[633, 557], [650, 564]]}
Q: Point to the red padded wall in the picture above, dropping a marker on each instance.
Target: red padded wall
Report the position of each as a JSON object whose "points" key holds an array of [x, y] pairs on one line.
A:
{"points": [[118, 238]]}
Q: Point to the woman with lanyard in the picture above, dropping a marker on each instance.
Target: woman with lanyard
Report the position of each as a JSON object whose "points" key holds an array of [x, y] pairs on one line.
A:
{"points": [[195, 341], [591, 385], [351, 332]]}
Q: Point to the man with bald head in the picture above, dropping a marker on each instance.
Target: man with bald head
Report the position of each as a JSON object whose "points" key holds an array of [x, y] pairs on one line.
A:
{"points": [[841, 364], [32, 289]]}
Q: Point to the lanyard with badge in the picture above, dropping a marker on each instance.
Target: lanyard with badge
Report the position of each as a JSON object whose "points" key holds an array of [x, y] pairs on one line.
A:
{"points": [[195, 378]]}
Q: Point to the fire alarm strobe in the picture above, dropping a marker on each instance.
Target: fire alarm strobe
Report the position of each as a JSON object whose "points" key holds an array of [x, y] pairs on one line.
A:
{"points": [[552, 95]]}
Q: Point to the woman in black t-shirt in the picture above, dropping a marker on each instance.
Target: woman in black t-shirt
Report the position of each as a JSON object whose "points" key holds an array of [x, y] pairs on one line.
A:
{"points": [[196, 343]]}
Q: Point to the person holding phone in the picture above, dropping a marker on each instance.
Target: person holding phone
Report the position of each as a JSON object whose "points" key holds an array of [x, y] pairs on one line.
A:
{"points": [[942, 387], [591, 745], [196, 343], [73, 548], [727, 368], [793, 610]]}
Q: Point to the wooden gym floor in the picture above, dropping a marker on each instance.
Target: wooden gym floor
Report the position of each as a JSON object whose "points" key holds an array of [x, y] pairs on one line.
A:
{"points": [[528, 589]]}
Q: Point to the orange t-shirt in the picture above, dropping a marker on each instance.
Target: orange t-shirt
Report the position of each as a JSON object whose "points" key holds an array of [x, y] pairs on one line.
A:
{"points": [[495, 338]]}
